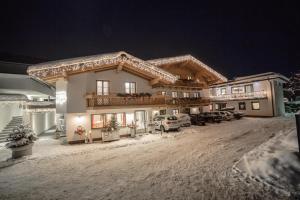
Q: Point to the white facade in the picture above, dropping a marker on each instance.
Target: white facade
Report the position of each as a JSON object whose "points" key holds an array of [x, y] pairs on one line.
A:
{"points": [[257, 95]]}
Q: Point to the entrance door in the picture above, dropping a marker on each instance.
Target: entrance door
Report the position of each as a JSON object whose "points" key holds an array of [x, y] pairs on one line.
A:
{"points": [[140, 118]]}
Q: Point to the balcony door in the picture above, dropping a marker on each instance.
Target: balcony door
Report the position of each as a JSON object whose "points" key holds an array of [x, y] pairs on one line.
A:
{"points": [[140, 118]]}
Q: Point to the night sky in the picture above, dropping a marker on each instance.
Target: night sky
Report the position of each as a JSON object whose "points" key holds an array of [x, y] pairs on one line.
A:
{"points": [[235, 38]]}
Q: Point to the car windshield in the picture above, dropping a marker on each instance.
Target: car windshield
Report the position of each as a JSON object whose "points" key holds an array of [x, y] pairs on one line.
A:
{"points": [[171, 118]]}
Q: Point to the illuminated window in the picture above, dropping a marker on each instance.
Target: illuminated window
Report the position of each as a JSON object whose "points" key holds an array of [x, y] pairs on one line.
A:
{"points": [[129, 118], [102, 87], [175, 111], [121, 119], [174, 95], [196, 94], [130, 87], [186, 95], [97, 121], [216, 106], [210, 107], [163, 93], [255, 105], [249, 88], [223, 91], [238, 90]]}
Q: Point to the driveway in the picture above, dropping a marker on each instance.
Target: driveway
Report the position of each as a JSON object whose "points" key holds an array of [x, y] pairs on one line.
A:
{"points": [[193, 164]]}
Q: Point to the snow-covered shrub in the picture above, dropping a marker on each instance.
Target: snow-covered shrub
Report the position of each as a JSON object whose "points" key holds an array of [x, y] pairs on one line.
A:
{"points": [[20, 136]]}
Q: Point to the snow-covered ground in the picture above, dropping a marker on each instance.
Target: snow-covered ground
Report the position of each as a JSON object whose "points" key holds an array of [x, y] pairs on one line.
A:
{"points": [[275, 163], [193, 164]]}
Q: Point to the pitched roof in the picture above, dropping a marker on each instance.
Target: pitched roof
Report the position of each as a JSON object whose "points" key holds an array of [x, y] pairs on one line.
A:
{"points": [[88, 63], [184, 58]]}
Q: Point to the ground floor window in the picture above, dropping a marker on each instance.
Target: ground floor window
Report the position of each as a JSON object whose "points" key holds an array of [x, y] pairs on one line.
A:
{"points": [[210, 107], [255, 105], [129, 118], [162, 112], [242, 105], [100, 120], [175, 111], [97, 121]]}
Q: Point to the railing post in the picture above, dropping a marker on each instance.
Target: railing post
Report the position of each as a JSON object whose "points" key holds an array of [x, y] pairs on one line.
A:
{"points": [[297, 116]]}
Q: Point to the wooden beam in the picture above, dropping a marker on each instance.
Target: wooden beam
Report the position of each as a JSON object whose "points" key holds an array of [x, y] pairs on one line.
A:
{"points": [[119, 68], [154, 81]]}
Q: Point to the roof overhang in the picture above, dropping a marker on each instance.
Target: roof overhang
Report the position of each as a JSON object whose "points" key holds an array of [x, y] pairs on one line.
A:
{"points": [[51, 71], [187, 61]]}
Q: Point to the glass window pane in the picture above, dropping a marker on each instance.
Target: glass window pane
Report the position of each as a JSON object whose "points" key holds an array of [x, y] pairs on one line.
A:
{"points": [[129, 118], [255, 106], [105, 83], [97, 121]]}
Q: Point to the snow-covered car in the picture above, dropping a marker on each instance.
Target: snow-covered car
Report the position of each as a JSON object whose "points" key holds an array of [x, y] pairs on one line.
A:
{"points": [[166, 123], [184, 119], [226, 116]]}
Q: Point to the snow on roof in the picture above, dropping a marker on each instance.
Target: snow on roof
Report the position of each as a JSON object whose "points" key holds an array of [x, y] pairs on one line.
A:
{"points": [[251, 78], [177, 59], [262, 75], [81, 64], [13, 97]]}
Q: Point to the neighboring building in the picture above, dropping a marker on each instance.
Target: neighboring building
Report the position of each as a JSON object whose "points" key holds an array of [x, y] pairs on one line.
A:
{"points": [[256, 95], [90, 90], [25, 100]]}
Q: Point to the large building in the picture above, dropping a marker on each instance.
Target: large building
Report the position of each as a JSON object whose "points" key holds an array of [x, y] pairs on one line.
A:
{"points": [[256, 95], [90, 90]]}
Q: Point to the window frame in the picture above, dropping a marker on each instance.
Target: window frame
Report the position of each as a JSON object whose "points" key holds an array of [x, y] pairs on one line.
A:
{"points": [[175, 111], [240, 103], [108, 90], [253, 103], [130, 87], [239, 91], [251, 86], [221, 91], [186, 95], [174, 92]]}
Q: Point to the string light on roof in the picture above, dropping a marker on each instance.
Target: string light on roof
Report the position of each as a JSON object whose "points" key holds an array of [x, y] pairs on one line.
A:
{"points": [[58, 68]]}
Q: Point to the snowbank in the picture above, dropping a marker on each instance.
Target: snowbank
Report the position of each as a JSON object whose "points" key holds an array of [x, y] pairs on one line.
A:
{"points": [[275, 163]]}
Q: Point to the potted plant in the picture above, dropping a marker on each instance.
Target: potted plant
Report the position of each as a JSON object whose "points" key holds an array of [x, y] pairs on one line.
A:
{"points": [[110, 132], [21, 141]]}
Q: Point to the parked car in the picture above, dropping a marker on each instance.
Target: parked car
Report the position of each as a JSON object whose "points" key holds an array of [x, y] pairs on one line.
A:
{"points": [[211, 117], [197, 119], [166, 123], [236, 114], [226, 116], [184, 119]]}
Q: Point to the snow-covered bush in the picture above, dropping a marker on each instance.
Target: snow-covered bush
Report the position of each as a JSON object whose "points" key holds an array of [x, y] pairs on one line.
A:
{"points": [[20, 136]]}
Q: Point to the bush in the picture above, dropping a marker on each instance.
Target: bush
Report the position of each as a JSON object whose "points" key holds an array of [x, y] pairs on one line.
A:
{"points": [[20, 136]]}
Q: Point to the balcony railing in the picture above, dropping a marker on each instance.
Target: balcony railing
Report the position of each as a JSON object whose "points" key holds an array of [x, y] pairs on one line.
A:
{"points": [[100, 101], [241, 96]]}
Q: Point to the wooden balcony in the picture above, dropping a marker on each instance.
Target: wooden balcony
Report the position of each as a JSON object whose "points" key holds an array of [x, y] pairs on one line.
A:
{"points": [[94, 101]]}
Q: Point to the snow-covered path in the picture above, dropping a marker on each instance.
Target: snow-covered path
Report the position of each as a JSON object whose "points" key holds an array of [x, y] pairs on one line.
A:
{"points": [[195, 164]]}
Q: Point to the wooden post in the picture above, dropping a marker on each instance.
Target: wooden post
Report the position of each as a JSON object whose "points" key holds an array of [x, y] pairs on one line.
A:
{"points": [[297, 116]]}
